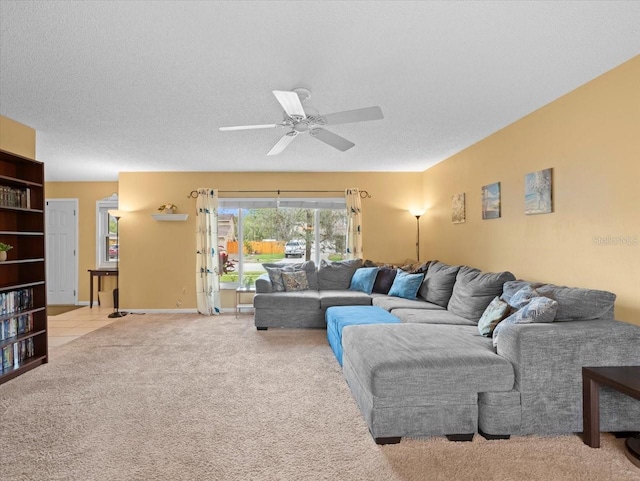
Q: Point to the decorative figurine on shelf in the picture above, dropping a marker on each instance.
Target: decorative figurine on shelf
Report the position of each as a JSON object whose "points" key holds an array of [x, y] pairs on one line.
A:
{"points": [[168, 209], [4, 248]]}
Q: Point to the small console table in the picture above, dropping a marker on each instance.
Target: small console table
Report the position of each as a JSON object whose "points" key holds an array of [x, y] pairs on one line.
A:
{"points": [[625, 379], [240, 291], [99, 273]]}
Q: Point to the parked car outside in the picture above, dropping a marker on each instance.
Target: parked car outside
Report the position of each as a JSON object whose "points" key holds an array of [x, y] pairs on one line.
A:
{"points": [[295, 248]]}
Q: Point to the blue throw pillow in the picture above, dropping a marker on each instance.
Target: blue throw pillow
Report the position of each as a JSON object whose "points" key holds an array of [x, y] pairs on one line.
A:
{"points": [[406, 285], [363, 279]]}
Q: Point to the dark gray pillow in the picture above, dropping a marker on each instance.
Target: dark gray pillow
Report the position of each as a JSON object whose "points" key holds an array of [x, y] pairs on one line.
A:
{"points": [[308, 267], [384, 280], [337, 275], [438, 283], [474, 290]]}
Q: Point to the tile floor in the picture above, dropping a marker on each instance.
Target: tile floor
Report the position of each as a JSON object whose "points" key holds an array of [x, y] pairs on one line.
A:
{"points": [[68, 326]]}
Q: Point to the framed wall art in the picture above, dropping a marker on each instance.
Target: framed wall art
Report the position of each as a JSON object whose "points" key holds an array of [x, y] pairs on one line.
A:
{"points": [[491, 201], [458, 215], [537, 192]]}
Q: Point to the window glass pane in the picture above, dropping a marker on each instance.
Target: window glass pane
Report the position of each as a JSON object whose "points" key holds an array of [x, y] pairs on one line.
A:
{"points": [[258, 231], [112, 236]]}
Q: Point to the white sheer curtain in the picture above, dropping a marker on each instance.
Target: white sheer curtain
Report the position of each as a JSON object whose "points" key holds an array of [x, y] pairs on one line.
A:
{"points": [[207, 258], [354, 224]]}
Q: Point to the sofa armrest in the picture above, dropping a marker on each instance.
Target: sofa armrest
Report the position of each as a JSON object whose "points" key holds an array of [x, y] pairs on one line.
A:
{"points": [[544, 352], [263, 284], [547, 362]]}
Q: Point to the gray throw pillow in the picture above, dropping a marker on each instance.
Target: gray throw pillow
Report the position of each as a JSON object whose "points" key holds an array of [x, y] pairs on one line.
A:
{"points": [[474, 290], [275, 276], [438, 283], [539, 309], [337, 275], [308, 267]]}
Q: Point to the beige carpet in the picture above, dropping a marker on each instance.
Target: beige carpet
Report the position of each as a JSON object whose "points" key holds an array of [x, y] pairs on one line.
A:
{"points": [[186, 397]]}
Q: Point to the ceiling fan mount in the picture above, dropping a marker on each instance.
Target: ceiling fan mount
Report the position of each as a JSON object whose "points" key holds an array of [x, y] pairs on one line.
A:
{"points": [[301, 119]]}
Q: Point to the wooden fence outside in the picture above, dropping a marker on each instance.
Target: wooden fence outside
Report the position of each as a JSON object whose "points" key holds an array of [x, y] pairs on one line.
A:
{"points": [[257, 247]]}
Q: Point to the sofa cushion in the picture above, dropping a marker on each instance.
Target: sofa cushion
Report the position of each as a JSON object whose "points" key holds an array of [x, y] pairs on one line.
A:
{"points": [[474, 290], [433, 316], [574, 303], [406, 285], [363, 279], [493, 314], [339, 317], [337, 275], [309, 267], [441, 359], [295, 281], [390, 303], [343, 297], [539, 309], [384, 280], [438, 283], [302, 300]]}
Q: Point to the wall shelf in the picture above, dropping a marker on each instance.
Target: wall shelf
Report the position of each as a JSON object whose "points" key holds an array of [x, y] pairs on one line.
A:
{"points": [[170, 217]]}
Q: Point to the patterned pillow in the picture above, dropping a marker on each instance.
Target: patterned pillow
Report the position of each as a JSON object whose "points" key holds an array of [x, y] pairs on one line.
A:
{"points": [[295, 281], [523, 297], [493, 314], [275, 276], [406, 285], [539, 309], [363, 279]]}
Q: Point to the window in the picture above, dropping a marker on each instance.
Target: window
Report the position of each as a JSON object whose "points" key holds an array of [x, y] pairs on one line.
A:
{"points": [[256, 231], [107, 247]]}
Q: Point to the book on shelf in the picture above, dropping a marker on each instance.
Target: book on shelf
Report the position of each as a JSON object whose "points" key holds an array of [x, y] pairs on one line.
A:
{"points": [[15, 301], [13, 355], [15, 197], [14, 326]]}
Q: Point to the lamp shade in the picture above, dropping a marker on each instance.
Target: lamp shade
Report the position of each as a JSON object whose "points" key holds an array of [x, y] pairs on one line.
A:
{"points": [[417, 211]]}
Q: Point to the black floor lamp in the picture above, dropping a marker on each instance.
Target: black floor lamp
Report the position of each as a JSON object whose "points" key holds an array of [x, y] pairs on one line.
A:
{"points": [[116, 214], [417, 213]]}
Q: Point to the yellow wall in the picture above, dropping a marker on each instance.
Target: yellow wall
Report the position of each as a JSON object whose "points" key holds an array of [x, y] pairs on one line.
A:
{"points": [[17, 138], [591, 139], [158, 258], [87, 194]]}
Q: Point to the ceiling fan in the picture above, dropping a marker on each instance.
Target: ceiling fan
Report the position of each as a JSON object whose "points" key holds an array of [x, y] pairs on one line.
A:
{"points": [[301, 119]]}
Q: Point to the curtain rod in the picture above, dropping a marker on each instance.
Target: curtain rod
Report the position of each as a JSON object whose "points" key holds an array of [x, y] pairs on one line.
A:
{"points": [[363, 193]]}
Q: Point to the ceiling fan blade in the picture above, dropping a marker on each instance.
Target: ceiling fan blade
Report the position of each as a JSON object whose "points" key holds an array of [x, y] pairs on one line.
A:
{"points": [[290, 103], [285, 140], [250, 127], [332, 139], [358, 115]]}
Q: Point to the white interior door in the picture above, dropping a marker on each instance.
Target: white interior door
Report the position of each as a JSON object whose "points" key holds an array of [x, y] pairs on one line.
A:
{"points": [[62, 260]]}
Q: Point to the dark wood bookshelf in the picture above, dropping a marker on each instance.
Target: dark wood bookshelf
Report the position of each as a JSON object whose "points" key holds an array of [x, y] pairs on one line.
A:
{"points": [[22, 275]]}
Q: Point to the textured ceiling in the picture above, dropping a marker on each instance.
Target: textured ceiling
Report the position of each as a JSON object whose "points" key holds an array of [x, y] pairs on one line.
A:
{"points": [[143, 86]]}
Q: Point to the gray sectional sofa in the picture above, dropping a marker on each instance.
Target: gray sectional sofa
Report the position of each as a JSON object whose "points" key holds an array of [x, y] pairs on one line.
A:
{"points": [[434, 373]]}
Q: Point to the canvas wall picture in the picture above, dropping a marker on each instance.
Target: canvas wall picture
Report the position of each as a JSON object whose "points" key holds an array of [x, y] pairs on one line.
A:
{"points": [[537, 192], [458, 215], [491, 201]]}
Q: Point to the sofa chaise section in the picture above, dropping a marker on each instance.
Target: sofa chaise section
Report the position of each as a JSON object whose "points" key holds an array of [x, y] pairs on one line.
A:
{"points": [[421, 380]]}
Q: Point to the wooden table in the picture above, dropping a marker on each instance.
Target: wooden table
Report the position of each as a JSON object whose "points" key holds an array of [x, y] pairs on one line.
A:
{"points": [[99, 273], [625, 379]]}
